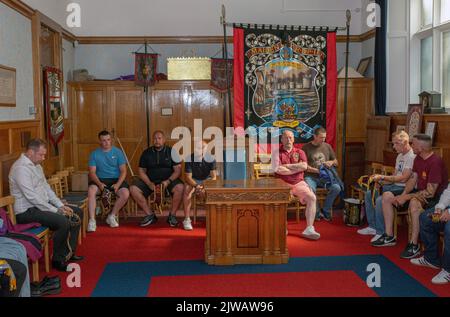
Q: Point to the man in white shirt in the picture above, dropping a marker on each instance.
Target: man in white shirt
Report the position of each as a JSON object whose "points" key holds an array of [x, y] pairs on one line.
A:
{"points": [[433, 221], [35, 201], [381, 215]]}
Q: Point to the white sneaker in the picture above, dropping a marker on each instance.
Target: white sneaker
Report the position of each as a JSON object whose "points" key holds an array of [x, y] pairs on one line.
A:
{"points": [[111, 221], [187, 225], [310, 233], [375, 237], [367, 231], [442, 278], [422, 262], [92, 226]]}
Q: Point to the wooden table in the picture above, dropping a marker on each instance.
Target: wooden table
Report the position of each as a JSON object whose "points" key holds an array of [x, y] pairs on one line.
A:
{"points": [[246, 222]]}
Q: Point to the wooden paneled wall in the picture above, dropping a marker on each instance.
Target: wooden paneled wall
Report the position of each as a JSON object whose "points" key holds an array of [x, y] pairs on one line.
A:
{"points": [[442, 130], [13, 138]]}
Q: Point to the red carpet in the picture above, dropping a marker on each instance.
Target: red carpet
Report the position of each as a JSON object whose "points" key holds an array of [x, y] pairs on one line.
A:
{"points": [[159, 242], [310, 284]]}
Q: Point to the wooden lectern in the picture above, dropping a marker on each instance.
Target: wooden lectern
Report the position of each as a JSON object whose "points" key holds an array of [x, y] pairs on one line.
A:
{"points": [[246, 222]]}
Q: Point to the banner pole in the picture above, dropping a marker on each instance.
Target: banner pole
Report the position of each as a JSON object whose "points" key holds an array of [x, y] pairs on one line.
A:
{"points": [[344, 130]]}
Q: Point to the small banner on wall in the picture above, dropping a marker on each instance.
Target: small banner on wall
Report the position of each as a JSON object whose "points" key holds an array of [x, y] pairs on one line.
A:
{"points": [[218, 74], [145, 69], [54, 115]]}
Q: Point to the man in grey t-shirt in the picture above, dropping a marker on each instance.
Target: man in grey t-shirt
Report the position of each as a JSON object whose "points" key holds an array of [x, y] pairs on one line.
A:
{"points": [[319, 154]]}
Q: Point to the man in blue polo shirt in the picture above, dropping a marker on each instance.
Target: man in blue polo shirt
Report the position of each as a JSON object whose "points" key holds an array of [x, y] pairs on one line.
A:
{"points": [[107, 169]]}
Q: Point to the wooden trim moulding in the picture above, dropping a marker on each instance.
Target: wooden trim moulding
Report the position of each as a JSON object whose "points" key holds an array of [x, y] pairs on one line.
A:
{"points": [[152, 39], [191, 39], [20, 7]]}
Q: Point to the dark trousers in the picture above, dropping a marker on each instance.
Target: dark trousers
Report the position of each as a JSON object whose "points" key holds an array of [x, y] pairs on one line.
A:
{"points": [[57, 223], [429, 234], [20, 272]]}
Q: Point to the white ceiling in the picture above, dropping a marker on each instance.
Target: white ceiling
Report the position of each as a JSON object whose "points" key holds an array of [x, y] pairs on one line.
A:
{"points": [[196, 17]]}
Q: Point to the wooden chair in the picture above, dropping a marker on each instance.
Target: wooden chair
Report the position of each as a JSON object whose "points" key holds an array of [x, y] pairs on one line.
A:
{"points": [[262, 170], [387, 170], [357, 191], [55, 184], [42, 233], [77, 198]]}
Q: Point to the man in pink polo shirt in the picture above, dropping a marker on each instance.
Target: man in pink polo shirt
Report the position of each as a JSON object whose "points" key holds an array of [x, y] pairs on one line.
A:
{"points": [[290, 167]]}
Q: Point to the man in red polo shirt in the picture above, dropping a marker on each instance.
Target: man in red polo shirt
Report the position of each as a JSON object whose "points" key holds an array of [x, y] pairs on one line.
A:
{"points": [[290, 167]]}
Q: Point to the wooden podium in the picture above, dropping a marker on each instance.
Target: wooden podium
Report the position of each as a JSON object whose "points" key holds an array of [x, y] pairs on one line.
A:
{"points": [[246, 222]]}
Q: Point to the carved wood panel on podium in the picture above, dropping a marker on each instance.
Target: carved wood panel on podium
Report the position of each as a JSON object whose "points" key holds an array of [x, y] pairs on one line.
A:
{"points": [[246, 222]]}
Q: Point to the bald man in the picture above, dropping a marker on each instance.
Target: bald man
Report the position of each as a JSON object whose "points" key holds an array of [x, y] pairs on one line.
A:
{"points": [[290, 167], [422, 191]]}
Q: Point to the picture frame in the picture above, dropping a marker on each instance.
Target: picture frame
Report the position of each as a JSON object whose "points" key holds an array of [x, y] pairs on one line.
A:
{"points": [[363, 65], [166, 111], [430, 129], [7, 86], [414, 119]]}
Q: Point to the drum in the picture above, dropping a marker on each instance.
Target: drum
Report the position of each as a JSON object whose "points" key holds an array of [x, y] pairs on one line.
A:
{"points": [[353, 212]]}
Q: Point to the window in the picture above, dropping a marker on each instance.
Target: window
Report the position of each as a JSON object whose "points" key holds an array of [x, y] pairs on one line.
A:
{"points": [[426, 63], [429, 49], [445, 11], [427, 13], [446, 69]]}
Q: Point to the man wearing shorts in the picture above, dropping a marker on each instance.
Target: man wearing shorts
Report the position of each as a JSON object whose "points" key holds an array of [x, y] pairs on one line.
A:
{"points": [[290, 167], [158, 166], [107, 171], [198, 169], [423, 189]]}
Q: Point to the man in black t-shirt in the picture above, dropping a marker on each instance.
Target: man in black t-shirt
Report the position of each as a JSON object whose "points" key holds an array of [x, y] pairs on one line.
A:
{"points": [[197, 169], [158, 166]]}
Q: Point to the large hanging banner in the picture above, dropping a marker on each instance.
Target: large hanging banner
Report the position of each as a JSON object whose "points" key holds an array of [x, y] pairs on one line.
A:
{"points": [[285, 79], [54, 115]]}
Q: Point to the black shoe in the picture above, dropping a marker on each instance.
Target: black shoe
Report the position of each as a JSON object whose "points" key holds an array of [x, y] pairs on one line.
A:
{"points": [[410, 251], [148, 220], [76, 258], [55, 281], [384, 241], [48, 286], [172, 220], [326, 216], [60, 266]]}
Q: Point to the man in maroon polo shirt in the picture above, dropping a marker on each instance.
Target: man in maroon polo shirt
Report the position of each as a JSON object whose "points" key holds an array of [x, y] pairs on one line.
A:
{"points": [[423, 189], [290, 167]]}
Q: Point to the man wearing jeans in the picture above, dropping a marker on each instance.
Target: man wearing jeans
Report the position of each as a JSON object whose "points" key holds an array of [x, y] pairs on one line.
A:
{"points": [[320, 154], [429, 233], [392, 185]]}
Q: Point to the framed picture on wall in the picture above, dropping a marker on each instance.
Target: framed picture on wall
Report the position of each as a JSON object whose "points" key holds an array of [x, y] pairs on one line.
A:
{"points": [[7, 86], [430, 129], [363, 65], [414, 119]]}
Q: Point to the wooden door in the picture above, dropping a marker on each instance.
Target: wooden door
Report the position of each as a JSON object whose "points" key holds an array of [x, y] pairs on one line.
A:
{"points": [[127, 122], [88, 103]]}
